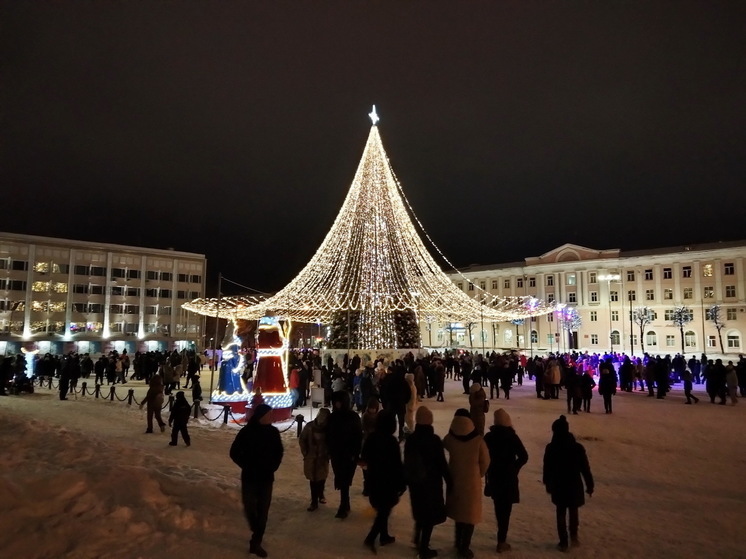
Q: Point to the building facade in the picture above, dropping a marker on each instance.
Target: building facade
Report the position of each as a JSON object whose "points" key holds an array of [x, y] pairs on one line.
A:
{"points": [[609, 290], [60, 295]]}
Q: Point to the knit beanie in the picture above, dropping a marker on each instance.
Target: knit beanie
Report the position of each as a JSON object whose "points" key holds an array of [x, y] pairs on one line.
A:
{"points": [[260, 411], [423, 416], [462, 412], [561, 425], [502, 418], [474, 388]]}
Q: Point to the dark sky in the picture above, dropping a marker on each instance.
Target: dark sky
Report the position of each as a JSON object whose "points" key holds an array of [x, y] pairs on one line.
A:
{"points": [[234, 128]]}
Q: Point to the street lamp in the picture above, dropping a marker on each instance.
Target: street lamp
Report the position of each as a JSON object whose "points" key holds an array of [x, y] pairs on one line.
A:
{"points": [[608, 278]]}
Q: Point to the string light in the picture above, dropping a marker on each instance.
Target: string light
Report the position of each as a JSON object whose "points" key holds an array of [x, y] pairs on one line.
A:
{"points": [[373, 262]]}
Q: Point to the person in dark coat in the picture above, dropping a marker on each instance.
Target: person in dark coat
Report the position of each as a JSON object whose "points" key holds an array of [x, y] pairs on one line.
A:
{"points": [[507, 457], [315, 453], [566, 467], [382, 460], [607, 384], [425, 468], [395, 394], [179, 418], [587, 384], [257, 450], [344, 437]]}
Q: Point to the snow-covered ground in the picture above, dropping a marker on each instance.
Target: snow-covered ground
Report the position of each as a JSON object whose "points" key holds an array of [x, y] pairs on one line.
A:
{"points": [[79, 479]]}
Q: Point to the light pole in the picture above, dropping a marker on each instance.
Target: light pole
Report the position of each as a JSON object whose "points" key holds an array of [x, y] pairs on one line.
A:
{"points": [[609, 278]]}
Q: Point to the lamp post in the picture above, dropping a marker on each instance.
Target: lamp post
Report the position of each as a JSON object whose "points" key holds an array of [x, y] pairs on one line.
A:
{"points": [[609, 278]]}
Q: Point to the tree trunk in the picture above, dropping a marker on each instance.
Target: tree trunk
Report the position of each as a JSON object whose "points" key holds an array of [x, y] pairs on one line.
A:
{"points": [[681, 329], [720, 339], [642, 339]]}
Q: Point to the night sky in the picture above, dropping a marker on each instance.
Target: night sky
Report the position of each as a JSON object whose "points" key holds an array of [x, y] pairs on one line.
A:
{"points": [[234, 128]]}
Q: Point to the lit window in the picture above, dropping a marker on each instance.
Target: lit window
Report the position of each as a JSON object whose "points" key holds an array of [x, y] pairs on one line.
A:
{"points": [[707, 270], [690, 339], [570, 279], [651, 338], [59, 287], [40, 286], [41, 267], [615, 339]]}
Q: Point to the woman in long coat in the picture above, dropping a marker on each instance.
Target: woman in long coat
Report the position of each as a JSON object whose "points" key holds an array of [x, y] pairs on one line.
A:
{"points": [[412, 403], [425, 468], [566, 467], [154, 401], [507, 457], [478, 406], [382, 459], [315, 453], [468, 461]]}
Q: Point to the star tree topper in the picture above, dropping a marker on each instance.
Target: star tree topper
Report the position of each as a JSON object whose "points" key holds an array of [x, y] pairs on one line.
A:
{"points": [[373, 116]]}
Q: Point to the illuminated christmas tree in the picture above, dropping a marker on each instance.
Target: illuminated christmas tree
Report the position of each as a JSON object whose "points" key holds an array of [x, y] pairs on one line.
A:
{"points": [[372, 279]]}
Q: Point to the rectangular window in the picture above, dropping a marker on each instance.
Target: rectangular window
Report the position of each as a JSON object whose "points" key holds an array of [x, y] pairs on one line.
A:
{"points": [[731, 314], [40, 286], [117, 290], [670, 340], [550, 281], [711, 341], [167, 276], [550, 297], [613, 296], [132, 309], [649, 294], [550, 318], [164, 311], [688, 293], [460, 285], [532, 282], [181, 294], [630, 275], [131, 327], [594, 316], [667, 273], [571, 297], [195, 279], [183, 277], [118, 273], [482, 285], [471, 287], [709, 292], [116, 309], [668, 294], [506, 284], [594, 296], [631, 295], [97, 308], [729, 269], [133, 292], [80, 288], [193, 294], [151, 309], [648, 275], [494, 284], [668, 315], [97, 289], [730, 290], [19, 265], [151, 275], [519, 282], [707, 270], [592, 277], [115, 327], [690, 339], [98, 271], [133, 274], [570, 279], [594, 339], [166, 293], [80, 270], [734, 342], [686, 271], [615, 316]]}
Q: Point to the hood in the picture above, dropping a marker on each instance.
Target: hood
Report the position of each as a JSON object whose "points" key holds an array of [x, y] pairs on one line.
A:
{"points": [[463, 428], [343, 397]]}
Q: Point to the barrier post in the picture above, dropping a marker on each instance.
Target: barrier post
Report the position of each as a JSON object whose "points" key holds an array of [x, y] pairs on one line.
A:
{"points": [[111, 392], [170, 401], [226, 412], [299, 419], [83, 387], [130, 395], [196, 409], [98, 390]]}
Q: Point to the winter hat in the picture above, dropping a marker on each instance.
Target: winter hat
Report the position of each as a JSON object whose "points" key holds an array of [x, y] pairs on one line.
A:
{"points": [[476, 387], [322, 416], [260, 411], [462, 412], [423, 416], [561, 425], [502, 418], [409, 377]]}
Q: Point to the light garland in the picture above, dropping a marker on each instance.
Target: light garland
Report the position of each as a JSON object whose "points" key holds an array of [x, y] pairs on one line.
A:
{"points": [[373, 262]]}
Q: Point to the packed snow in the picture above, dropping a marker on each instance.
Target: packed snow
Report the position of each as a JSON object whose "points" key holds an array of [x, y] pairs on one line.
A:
{"points": [[80, 479]]}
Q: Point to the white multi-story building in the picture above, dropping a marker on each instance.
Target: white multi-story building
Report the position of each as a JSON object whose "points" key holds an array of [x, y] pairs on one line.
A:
{"points": [[604, 287], [60, 295]]}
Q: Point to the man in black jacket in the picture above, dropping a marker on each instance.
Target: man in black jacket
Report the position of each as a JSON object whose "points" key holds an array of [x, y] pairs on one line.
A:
{"points": [[257, 450], [344, 436]]}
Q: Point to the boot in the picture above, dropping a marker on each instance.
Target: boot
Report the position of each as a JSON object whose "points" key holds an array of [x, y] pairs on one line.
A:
{"points": [[467, 530], [458, 537], [314, 497]]}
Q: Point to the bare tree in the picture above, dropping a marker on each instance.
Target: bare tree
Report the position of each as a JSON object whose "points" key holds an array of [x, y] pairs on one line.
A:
{"points": [[642, 316], [570, 321], [715, 314], [469, 328], [680, 318]]}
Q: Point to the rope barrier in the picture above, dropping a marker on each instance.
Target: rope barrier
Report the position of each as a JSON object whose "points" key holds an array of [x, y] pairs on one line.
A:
{"points": [[202, 411]]}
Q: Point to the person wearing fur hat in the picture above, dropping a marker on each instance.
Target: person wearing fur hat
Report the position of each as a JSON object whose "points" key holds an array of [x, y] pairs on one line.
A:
{"points": [[468, 460], [566, 467], [425, 469], [257, 450], [344, 436], [478, 406], [507, 457], [412, 403], [382, 460], [179, 419], [315, 453]]}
